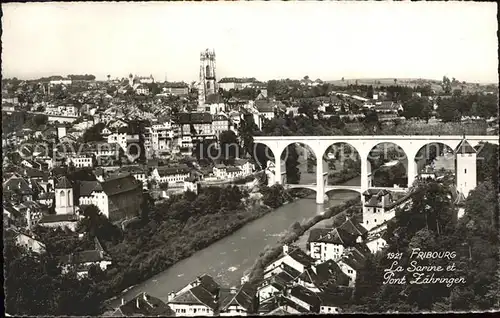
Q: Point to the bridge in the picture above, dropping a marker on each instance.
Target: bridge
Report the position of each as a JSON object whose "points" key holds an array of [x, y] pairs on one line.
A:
{"points": [[329, 188], [363, 145]]}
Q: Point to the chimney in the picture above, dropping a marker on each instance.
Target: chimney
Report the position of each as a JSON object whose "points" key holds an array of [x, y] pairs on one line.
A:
{"points": [[314, 269], [285, 249], [137, 302], [123, 301]]}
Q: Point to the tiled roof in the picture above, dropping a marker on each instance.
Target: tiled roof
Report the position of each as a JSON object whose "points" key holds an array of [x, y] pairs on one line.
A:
{"points": [[379, 192], [353, 228], [330, 270], [144, 305], [272, 305], [63, 183], [17, 183], [214, 99], [87, 187], [336, 236], [354, 260], [168, 171], [52, 218], [233, 169], [120, 184], [204, 296], [305, 295], [194, 118], [264, 106], [89, 256], [238, 80], [464, 147], [316, 234], [374, 202], [242, 297], [300, 256]]}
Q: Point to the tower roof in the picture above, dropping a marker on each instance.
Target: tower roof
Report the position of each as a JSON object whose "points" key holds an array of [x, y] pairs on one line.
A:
{"points": [[63, 183], [464, 147]]}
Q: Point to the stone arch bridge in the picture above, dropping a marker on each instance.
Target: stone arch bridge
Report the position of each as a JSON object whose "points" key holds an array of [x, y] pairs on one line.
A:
{"points": [[363, 145]]}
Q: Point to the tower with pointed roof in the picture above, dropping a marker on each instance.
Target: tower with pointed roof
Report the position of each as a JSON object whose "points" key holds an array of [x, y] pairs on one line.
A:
{"points": [[64, 196], [465, 167]]}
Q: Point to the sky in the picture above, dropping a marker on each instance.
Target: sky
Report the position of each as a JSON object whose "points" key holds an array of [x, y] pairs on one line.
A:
{"points": [[266, 40]]}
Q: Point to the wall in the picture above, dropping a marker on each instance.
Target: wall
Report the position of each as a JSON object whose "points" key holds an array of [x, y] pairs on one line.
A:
{"points": [[183, 310]]}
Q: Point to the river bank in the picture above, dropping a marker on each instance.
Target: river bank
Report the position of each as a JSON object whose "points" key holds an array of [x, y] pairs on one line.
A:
{"points": [[295, 232], [233, 256], [204, 231]]}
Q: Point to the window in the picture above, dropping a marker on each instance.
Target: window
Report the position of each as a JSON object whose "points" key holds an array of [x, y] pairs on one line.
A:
{"points": [[465, 170], [366, 221]]}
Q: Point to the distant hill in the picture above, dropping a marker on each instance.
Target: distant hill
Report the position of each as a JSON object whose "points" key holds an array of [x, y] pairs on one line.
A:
{"points": [[385, 81], [390, 81]]}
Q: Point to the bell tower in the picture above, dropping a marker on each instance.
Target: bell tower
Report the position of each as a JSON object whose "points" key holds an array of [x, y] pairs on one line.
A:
{"points": [[64, 197], [208, 83]]}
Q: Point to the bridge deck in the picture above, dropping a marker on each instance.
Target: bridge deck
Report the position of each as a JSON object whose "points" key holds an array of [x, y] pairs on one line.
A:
{"points": [[313, 186]]}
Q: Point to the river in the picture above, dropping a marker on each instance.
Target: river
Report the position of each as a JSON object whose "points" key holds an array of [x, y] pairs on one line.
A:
{"points": [[228, 259]]}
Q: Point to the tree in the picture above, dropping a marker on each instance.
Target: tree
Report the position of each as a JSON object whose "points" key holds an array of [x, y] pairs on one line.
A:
{"points": [[31, 276], [228, 142], [487, 163], [417, 108], [291, 163], [446, 84], [40, 119], [448, 111], [93, 133]]}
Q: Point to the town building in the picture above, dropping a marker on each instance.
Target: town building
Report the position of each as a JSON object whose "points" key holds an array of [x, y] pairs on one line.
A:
{"points": [[143, 305], [237, 301], [171, 174], [124, 197], [228, 83], [326, 244], [199, 298], [380, 206], [295, 258], [29, 243], [82, 261], [176, 89]]}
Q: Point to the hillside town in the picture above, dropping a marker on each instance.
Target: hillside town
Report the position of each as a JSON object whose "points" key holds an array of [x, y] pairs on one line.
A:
{"points": [[163, 161], [77, 148]]}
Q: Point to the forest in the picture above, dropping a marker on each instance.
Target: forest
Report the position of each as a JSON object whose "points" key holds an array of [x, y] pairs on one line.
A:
{"points": [[430, 225]]}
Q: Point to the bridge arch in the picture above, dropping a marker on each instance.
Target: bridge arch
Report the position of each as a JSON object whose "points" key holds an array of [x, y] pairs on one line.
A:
{"points": [[438, 154], [387, 154], [345, 156]]}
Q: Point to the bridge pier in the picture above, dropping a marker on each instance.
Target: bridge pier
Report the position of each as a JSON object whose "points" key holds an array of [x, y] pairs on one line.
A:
{"points": [[320, 182]]}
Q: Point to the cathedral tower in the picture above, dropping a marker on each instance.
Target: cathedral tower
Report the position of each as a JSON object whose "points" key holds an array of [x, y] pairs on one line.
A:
{"points": [[208, 83]]}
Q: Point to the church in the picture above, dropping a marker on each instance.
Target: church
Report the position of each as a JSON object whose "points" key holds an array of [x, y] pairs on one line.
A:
{"points": [[118, 198]]}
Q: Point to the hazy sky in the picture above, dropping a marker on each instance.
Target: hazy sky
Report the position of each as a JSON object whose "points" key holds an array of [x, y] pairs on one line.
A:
{"points": [[265, 40]]}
